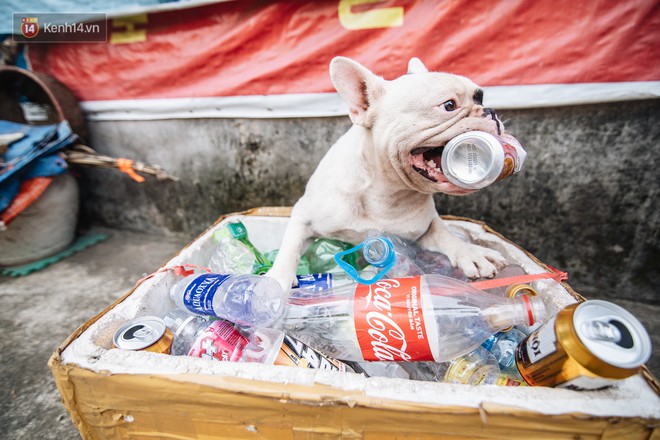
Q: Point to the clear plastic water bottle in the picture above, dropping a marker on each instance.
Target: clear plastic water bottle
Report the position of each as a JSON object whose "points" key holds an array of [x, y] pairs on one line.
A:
{"points": [[378, 252], [436, 263], [397, 257], [250, 300], [479, 367], [196, 336], [235, 253], [428, 317], [417, 260], [274, 347], [220, 340], [387, 253], [393, 370], [317, 282], [503, 346]]}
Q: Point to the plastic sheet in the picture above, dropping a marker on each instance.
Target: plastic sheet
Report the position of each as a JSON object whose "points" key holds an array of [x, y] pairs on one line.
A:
{"points": [[253, 48]]}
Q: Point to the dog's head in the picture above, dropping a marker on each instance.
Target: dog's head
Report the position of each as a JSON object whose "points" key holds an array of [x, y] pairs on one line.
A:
{"points": [[412, 118]]}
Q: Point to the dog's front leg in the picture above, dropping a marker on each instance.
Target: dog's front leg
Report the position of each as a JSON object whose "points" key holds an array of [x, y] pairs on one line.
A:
{"points": [[295, 240], [475, 261]]}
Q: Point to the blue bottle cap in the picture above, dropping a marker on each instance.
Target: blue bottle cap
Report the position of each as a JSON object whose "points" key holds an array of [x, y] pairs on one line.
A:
{"points": [[378, 251]]}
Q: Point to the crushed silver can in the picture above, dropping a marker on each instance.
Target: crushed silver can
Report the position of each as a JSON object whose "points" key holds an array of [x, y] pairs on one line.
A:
{"points": [[476, 159]]}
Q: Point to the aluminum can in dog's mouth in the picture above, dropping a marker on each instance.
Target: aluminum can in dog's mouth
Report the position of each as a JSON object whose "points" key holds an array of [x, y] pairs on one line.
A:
{"points": [[586, 346], [476, 159], [148, 333]]}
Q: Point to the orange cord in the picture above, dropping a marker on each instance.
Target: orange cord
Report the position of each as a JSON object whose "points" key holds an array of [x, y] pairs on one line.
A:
{"points": [[126, 166]]}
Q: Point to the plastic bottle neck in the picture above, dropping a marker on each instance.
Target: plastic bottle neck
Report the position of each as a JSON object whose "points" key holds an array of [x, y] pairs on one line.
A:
{"points": [[524, 309], [379, 251]]}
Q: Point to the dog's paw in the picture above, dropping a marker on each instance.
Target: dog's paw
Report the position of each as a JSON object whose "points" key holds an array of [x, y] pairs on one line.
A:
{"points": [[477, 261], [286, 279]]}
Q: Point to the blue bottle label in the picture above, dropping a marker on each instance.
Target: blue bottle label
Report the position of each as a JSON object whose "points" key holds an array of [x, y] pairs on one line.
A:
{"points": [[315, 281], [488, 343], [198, 296]]}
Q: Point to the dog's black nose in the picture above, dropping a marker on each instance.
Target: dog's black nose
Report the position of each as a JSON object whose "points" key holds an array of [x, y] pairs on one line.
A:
{"points": [[490, 112]]}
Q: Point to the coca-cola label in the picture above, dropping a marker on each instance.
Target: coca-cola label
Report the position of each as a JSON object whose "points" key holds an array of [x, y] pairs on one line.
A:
{"points": [[219, 342], [389, 321], [198, 296]]}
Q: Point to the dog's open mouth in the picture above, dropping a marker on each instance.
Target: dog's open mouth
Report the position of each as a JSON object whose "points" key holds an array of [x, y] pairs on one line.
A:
{"points": [[426, 162]]}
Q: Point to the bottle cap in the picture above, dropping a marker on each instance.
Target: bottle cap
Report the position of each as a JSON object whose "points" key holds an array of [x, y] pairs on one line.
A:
{"points": [[379, 253]]}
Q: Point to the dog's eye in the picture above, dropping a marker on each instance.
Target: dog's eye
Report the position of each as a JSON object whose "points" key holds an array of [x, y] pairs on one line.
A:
{"points": [[450, 105]]}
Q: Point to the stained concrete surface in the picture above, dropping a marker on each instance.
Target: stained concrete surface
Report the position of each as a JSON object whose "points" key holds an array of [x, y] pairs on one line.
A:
{"points": [[585, 202], [41, 310]]}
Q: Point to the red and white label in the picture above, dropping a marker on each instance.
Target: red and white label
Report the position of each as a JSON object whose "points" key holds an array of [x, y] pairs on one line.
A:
{"points": [[219, 342], [389, 321]]}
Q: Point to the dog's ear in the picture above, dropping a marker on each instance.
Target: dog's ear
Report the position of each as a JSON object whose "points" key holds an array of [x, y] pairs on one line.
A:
{"points": [[415, 65], [358, 86]]}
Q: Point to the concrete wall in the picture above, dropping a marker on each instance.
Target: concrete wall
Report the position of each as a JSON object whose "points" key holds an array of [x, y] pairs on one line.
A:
{"points": [[586, 201]]}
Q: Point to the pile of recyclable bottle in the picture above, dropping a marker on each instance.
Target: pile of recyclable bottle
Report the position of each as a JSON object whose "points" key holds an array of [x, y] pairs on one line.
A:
{"points": [[384, 308]]}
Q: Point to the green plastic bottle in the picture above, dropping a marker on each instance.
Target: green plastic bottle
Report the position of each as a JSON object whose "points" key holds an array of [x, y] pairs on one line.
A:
{"points": [[235, 254]]}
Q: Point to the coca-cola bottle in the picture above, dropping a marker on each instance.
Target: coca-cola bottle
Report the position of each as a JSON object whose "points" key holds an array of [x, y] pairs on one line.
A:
{"points": [[427, 317]]}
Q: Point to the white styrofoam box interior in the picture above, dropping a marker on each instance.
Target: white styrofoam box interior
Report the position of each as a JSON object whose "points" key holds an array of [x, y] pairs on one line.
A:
{"points": [[93, 348]]}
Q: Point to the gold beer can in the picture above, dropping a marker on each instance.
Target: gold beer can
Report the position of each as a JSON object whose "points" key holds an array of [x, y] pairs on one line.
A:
{"points": [[586, 346], [148, 333]]}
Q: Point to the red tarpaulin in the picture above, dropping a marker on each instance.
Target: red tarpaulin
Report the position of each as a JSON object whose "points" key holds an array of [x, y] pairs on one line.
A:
{"points": [[255, 48]]}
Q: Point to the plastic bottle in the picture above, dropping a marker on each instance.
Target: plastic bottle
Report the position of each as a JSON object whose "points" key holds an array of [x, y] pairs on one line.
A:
{"points": [[317, 282], [428, 317], [420, 261], [479, 367], [219, 340], [503, 345], [321, 256], [393, 370], [274, 347], [398, 257], [387, 253], [199, 337], [235, 253], [436, 263], [251, 300]]}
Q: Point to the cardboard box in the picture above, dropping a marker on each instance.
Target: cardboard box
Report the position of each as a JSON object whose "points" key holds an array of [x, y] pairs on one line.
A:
{"points": [[112, 393]]}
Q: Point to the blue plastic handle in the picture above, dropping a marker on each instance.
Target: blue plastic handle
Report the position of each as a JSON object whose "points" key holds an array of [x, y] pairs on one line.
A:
{"points": [[386, 264]]}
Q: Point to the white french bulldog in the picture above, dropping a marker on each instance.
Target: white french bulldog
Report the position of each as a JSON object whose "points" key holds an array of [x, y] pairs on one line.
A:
{"points": [[382, 173]]}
